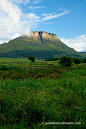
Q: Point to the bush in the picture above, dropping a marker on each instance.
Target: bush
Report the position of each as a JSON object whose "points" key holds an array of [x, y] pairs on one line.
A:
{"points": [[65, 61], [32, 58], [4, 68], [76, 60], [84, 61]]}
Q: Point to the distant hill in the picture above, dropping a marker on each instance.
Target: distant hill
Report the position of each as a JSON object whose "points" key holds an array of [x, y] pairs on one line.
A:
{"points": [[41, 45], [83, 52]]}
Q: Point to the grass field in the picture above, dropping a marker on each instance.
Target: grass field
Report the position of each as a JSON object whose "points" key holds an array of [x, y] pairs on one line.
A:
{"points": [[32, 94]]}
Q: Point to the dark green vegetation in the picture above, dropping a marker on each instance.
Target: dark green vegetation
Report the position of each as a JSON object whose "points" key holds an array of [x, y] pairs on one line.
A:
{"points": [[52, 59], [32, 58], [77, 61], [39, 48], [84, 60], [66, 61], [41, 91]]}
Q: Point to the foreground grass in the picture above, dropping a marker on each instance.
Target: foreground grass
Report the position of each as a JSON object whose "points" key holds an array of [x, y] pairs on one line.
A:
{"points": [[27, 102]]}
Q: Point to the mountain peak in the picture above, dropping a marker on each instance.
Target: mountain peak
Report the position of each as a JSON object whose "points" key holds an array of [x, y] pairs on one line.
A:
{"points": [[41, 35], [40, 44]]}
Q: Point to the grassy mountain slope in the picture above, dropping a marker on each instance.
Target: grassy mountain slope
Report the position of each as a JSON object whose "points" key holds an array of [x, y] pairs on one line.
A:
{"points": [[40, 48]]}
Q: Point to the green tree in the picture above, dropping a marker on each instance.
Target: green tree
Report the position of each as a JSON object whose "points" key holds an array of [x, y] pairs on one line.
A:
{"points": [[84, 61], [65, 61], [76, 60], [32, 58]]}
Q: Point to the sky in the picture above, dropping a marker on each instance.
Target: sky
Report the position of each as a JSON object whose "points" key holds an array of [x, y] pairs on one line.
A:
{"points": [[65, 18]]}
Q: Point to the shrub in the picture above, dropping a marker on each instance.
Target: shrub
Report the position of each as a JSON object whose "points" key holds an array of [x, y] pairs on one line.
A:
{"points": [[84, 61], [76, 60], [32, 58], [4, 68], [65, 61]]}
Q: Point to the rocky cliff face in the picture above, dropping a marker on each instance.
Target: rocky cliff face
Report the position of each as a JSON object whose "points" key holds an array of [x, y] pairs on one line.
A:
{"points": [[35, 35]]}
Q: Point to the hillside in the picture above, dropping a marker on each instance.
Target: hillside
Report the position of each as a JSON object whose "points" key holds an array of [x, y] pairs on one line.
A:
{"points": [[83, 53], [41, 45]]}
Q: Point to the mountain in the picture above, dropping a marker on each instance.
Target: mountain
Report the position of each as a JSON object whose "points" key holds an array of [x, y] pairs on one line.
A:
{"points": [[83, 52], [41, 45]]}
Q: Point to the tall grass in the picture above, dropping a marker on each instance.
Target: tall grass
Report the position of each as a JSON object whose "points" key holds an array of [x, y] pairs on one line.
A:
{"points": [[29, 102], [48, 94]]}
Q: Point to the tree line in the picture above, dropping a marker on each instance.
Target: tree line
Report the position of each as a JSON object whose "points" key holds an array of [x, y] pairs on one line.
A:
{"points": [[64, 60]]}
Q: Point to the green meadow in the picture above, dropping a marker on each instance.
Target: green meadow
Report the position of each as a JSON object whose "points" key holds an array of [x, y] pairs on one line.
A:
{"points": [[42, 95]]}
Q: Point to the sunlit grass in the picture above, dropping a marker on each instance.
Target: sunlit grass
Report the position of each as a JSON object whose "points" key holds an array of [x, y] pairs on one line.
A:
{"points": [[33, 101], [52, 94]]}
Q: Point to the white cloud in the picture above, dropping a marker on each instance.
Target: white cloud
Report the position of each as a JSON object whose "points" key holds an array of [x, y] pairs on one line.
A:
{"points": [[76, 5], [37, 1], [78, 43], [13, 22], [50, 16], [21, 1], [32, 16], [32, 20], [61, 9], [50, 23], [37, 7]]}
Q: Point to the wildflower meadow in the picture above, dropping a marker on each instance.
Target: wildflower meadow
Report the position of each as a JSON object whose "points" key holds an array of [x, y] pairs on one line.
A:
{"points": [[42, 95]]}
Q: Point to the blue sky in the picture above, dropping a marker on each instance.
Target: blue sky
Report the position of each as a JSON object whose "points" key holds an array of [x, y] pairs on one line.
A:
{"points": [[65, 18]]}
